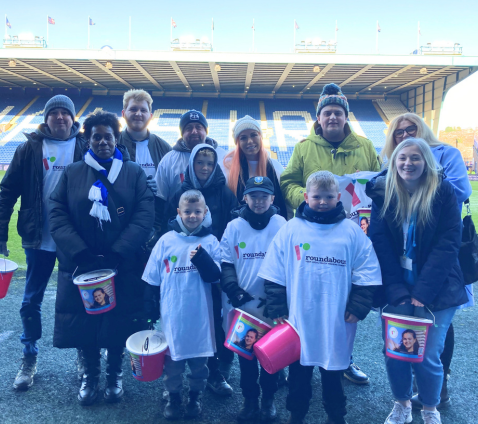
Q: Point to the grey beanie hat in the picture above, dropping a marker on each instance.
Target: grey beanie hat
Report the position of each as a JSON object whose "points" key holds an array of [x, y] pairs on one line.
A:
{"points": [[246, 123], [59, 101]]}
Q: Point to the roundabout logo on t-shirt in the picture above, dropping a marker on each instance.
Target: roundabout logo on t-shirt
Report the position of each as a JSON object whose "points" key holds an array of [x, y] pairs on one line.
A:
{"points": [[172, 259], [253, 255], [325, 261], [305, 246], [46, 162]]}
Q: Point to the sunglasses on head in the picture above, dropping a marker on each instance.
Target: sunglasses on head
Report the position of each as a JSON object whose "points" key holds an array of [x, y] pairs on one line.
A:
{"points": [[411, 130], [107, 137]]}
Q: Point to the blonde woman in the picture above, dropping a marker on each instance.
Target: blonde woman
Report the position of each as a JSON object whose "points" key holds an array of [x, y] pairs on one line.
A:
{"points": [[416, 232], [449, 158]]}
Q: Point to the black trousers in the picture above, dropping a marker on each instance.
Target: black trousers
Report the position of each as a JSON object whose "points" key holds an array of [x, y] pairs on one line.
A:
{"points": [[223, 354], [250, 374], [300, 391]]}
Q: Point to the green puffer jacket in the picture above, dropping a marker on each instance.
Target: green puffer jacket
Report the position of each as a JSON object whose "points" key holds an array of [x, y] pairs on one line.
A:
{"points": [[314, 154]]}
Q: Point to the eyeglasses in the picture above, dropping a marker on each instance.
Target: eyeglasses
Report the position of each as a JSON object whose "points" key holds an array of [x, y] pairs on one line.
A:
{"points": [[411, 130], [98, 137]]}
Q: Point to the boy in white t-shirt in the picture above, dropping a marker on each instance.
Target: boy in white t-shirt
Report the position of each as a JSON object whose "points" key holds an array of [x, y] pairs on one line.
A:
{"points": [[181, 267], [243, 248], [321, 273]]}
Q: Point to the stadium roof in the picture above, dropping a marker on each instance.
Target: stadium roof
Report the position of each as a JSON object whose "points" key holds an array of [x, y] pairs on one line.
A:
{"points": [[238, 74]]}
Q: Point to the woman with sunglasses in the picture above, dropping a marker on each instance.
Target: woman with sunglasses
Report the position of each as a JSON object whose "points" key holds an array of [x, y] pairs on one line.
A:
{"points": [[449, 158], [101, 213]]}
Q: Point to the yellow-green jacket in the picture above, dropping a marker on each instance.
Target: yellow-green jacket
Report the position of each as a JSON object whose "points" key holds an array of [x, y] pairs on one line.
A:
{"points": [[313, 154]]}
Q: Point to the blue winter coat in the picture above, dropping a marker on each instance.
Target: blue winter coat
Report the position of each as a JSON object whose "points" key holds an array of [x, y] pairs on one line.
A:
{"points": [[440, 282]]}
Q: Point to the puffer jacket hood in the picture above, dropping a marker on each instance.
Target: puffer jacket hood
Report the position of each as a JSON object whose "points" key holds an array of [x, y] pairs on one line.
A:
{"points": [[180, 145], [44, 132], [191, 179]]}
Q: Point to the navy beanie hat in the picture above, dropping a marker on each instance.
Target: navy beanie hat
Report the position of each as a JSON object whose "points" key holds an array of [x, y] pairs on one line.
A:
{"points": [[192, 116], [332, 94], [62, 101]]}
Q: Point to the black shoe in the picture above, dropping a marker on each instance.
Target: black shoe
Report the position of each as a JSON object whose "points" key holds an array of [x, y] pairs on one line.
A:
{"points": [[355, 375], [114, 377], [417, 405], [336, 420], [219, 386], [89, 389], [80, 364], [295, 419], [249, 409], [282, 381], [173, 409], [268, 410], [193, 407], [24, 378]]}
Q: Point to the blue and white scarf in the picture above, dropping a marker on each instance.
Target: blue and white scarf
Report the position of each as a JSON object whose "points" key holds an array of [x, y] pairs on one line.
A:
{"points": [[98, 193]]}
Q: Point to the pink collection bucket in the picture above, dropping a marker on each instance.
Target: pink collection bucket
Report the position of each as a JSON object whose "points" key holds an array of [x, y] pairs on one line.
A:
{"points": [[244, 332], [279, 348], [97, 290], [147, 350], [7, 269], [405, 337]]}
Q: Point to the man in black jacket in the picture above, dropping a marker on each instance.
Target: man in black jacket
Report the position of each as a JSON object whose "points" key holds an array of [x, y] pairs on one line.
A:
{"points": [[144, 147], [32, 175]]}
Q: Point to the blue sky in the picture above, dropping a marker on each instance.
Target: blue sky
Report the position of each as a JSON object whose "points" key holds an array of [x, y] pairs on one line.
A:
{"points": [[274, 20]]}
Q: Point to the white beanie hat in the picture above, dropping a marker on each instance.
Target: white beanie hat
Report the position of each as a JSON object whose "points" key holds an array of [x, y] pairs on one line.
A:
{"points": [[246, 123]]}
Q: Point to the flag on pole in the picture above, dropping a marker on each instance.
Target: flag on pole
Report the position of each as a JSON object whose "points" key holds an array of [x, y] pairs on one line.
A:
{"points": [[173, 24], [378, 27], [51, 21], [253, 24], [212, 24], [91, 22], [419, 32], [296, 24], [336, 27], [7, 23]]}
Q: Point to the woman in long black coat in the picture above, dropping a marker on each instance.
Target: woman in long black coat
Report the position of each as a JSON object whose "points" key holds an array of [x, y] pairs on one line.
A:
{"points": [[87, 240]]}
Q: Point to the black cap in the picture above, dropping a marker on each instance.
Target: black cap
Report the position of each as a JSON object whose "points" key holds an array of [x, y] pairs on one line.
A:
{"points": [[259, 184], [192, 116]]}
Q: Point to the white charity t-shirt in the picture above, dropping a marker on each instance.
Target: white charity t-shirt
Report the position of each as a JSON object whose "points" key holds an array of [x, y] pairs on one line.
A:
{"points": [[144, 159], [245, 248], [186, 300], [56, 156], [171, 171], [318, 263]]}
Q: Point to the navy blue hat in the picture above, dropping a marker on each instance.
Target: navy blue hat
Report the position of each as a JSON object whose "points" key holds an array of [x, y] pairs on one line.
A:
{"points": [[192, 116], [259, 184]]}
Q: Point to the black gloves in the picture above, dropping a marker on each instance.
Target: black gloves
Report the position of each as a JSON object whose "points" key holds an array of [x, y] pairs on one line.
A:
{"points": [[87, 261], [151, 302], [240, 298]]}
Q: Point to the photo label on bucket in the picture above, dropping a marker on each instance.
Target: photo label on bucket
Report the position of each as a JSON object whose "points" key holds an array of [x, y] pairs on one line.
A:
{"points": [[98, 297], [245, 335], [405, 340]]}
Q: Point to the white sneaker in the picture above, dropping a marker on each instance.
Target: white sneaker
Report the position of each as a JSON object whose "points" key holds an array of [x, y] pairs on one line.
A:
{"points": [[401, 415], [431, 417]]}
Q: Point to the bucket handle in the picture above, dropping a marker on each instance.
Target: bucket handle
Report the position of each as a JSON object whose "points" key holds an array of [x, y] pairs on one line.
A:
{"points": [[431, 313], [76, 269], [4, 263]]}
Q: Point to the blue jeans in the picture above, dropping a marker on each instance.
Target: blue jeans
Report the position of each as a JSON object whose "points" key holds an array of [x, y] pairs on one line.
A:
{"points": [[429, 373], [40, 264]]}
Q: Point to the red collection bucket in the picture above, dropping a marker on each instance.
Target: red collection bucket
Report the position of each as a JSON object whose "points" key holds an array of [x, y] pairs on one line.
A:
{"points": [[97, 290], [244, 332], [7, 269], [405, 337], [279, 348], [147, 350]]}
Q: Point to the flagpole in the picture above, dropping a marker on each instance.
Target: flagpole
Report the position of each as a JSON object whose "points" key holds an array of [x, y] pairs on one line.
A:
{"points": [[89, 32], [6, 33], [418, 38], [47, 25], [336, 32], [171, 24], [376, 42], [253, 33], [129, 36]]}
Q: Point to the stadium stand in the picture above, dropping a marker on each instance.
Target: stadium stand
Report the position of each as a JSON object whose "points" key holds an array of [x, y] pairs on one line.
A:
{"points": [[284, 122], [392, 107]]}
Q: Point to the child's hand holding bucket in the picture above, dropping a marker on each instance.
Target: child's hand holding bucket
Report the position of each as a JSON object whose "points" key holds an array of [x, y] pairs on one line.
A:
{"points": [[280, 320]]}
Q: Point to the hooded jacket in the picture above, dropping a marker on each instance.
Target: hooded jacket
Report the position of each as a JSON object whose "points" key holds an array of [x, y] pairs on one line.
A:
{"points": [[157, 146], [76, 234], [440, 282], [24, 178], [361, 297], [315, 153], [219, 198]]}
